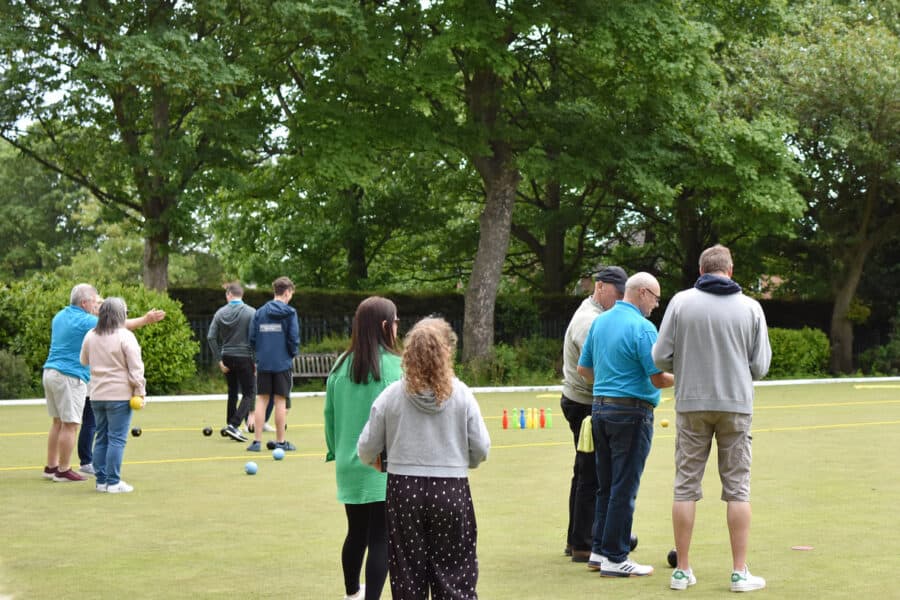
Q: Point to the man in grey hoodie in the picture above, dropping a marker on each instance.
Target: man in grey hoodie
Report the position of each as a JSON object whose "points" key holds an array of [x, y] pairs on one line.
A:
{"points": [[229, 340], [716, 342]]}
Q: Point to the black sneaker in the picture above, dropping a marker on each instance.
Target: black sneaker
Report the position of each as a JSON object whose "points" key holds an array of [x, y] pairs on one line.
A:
{"points": [[234, 433]]}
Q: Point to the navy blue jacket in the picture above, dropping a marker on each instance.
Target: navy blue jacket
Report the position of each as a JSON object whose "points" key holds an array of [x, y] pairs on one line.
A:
{"points": [[275, 336]]}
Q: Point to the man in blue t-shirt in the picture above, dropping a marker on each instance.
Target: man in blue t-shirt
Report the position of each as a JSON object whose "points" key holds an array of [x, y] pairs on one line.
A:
{"points": [[616, 357], [65, 380]]}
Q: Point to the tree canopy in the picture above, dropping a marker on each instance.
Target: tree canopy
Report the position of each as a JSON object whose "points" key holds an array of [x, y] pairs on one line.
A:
{"points": [[455, 144]]}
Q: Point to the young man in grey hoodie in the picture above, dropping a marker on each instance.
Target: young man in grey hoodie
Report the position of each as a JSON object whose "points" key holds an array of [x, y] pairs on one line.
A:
{"points": [[229, 340], [716, 342]]}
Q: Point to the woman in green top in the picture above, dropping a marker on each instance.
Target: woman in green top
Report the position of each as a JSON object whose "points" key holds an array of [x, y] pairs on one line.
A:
{"points": [[371, 364]]}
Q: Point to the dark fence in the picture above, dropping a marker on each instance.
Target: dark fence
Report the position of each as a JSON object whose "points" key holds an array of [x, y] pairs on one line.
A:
{"points": [[516, 317], [313, 329]]}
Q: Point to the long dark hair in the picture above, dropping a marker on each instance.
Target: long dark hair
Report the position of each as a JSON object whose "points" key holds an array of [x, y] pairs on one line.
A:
{"points": [[373, 328]]}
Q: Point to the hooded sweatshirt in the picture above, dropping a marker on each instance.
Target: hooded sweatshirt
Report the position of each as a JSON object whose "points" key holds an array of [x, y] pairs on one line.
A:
{"points": [[716, 342], [424, 438], [275, 336], [229, 332]]}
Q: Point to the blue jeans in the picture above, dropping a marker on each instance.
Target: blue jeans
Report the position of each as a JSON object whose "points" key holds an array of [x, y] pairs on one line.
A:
{"points": [[622, 437], [113, 419]]}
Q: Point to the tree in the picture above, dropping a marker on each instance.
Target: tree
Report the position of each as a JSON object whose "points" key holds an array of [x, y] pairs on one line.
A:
{"points": [[836, 76], [523, 93], [37, 229], [137, 102]]}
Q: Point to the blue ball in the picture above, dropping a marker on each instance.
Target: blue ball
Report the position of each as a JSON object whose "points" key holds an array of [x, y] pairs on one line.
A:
{"points": [[250, 468], [277, 453]]}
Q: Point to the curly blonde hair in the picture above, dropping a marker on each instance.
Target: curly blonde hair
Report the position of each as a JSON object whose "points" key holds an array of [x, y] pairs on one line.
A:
{"points": [[428, 358]]}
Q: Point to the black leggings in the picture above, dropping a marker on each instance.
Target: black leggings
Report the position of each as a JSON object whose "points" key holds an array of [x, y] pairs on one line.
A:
{"points": [[365, 529]]}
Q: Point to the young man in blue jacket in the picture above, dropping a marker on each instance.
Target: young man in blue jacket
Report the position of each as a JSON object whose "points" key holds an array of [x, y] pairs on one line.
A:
{"points": [[275, 338]]}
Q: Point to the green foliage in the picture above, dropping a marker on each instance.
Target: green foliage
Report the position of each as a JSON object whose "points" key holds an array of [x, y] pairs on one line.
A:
{"points": [[798, 353], [15, 377], [517, 317], [329, 343], [531, 361], [885, 359], [497, 369], [204, 381], [28, 306], [540, 355], [167, 347], [36, 205]]}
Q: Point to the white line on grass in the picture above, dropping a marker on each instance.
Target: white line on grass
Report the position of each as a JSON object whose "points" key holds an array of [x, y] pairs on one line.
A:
{"points": [[477, 390]]}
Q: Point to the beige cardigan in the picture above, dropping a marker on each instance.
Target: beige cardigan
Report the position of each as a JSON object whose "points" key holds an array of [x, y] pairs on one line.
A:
{"points": [[117, 371]]}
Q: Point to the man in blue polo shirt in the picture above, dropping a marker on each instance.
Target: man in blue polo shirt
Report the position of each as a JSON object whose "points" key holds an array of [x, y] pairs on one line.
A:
{"points": [[617, 358], [65, 379]]}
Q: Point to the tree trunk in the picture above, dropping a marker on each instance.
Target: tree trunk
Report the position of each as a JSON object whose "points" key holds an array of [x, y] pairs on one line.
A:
{"points": [[841, 334], [355, 238], [690, 238], [493, 242], [553, 257], [156, 261]]}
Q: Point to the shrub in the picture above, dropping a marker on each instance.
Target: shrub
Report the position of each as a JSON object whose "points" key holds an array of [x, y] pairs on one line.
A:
{"points": [[500, 368], [885, 359], [28, 306], [329, 343], [532, 361], [168, 347], [517, 317], [540, 355], [798, 353], [15, 377]]}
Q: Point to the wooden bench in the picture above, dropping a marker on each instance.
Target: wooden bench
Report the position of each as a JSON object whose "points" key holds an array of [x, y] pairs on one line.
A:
{"points": [[313, 366]]}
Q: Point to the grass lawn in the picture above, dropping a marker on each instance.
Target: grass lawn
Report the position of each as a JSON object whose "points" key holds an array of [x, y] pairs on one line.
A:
{"points": [[825, 475]]}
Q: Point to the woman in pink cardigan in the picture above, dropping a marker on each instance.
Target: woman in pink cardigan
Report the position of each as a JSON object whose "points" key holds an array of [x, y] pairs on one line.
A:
{"points": [[117, 374]]}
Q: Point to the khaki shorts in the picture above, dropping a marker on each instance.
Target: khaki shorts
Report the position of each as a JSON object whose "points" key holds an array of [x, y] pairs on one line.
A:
{"points": [[65, 396], [693, 442]]}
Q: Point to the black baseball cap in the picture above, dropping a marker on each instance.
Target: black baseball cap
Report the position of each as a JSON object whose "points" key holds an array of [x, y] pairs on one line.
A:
{"points": [[613, 275]]}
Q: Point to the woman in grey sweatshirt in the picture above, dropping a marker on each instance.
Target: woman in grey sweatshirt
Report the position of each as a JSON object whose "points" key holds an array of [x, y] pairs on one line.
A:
{"points": [[430, 428]]}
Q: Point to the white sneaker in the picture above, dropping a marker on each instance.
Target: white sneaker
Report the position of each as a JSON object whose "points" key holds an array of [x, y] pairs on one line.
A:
{"points": [[267, 427], [87, 469], [358, 595], [681, 579], [743, 581], [626, 568], [596, 561], [101, 487], [119, 488]]}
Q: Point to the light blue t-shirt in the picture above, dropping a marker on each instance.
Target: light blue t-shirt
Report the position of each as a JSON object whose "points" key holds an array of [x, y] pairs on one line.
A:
{"points": [[619, 349], [68, 329]]}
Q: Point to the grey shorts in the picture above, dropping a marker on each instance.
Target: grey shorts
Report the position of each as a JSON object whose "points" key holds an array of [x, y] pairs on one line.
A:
{"points": [[693, 441], [65, 396]]}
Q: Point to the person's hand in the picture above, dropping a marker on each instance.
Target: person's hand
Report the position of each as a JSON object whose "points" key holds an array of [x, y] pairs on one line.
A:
{"points": [[377, 464], [155, 315], [223, 368]]}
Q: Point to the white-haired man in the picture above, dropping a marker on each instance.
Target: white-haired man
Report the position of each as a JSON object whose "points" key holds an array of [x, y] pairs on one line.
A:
{"points": [[65, 379], [616, 358]]}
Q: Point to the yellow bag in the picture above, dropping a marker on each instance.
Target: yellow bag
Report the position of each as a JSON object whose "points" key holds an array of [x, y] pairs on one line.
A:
{"points": [[586, 436]]}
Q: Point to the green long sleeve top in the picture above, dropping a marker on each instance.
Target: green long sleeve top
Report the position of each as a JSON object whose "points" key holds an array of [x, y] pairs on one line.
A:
{"points": [[347, 406]]}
